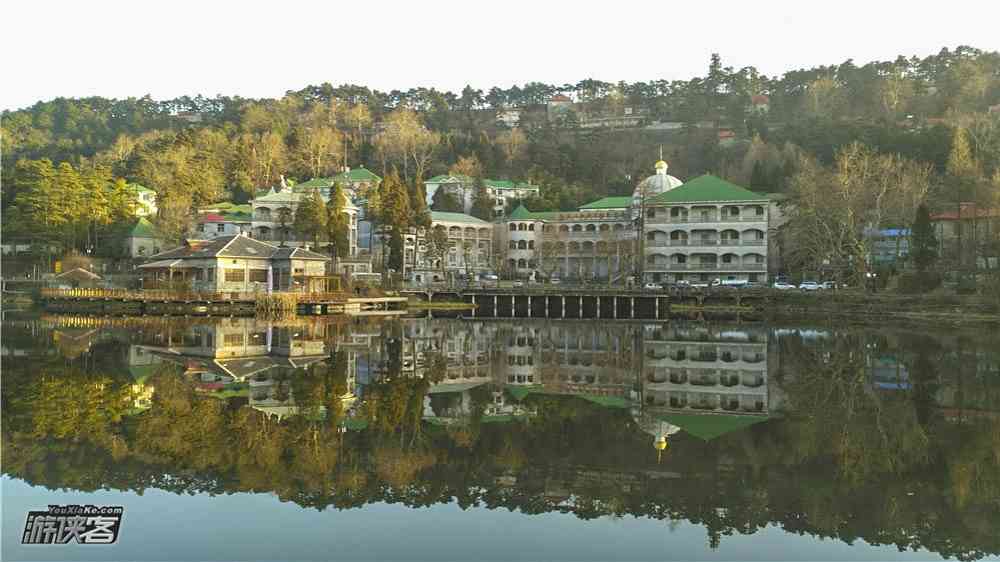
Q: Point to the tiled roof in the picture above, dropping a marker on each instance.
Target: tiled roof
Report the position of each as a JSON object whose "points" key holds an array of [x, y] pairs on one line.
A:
{"points": [[493, 184], [238, 246], [706, 188], [759, 99], [441, 216], [144, 229], [279, 196], [617, 202]]}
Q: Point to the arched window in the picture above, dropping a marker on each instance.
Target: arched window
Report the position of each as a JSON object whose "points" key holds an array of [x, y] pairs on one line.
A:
{"points": [[591, 228], [531, 226], [605, 228], [577, 228], [513, 227], [521, 264], [513, 244], [531, 244], [522, 245], [563, 228], [521, 226]]}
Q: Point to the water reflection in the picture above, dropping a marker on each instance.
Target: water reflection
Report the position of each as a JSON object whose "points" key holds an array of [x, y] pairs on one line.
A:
{"points": [[892, 436]]}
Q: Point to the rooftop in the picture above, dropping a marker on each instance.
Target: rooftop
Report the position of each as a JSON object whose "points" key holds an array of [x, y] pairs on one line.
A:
{"points": [[238, 246], [441, 216], [143, 229], [615, 202], [493, 184], [706, 188]]}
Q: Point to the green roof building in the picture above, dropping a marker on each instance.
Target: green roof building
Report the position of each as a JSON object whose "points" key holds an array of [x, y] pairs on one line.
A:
{"points": [[464, 187]]}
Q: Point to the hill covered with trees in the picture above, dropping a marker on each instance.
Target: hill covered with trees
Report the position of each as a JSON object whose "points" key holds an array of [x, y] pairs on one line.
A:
{"points": [[198, 150]]}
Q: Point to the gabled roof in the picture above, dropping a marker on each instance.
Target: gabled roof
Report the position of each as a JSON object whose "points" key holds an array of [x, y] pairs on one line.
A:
{"points": [[617, 202], [144, 229], [238, 246], [298, 254], [449, 178], [706, 188], [279, 196], [140, 188], [507, 184], [441, 216], [79, 274], [361, 174]]}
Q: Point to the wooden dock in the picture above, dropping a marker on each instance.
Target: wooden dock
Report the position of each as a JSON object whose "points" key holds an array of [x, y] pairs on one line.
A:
{"points": [[121, 302]]}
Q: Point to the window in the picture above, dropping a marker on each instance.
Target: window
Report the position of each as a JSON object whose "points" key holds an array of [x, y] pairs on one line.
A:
{"points": [[258, 276], [531, 226], [142, 250], [201, 228], [652, 213], [209, 274], [220, 228], [233, 340], [234, 276], [520, 226], [513, 245], [531, 244]]}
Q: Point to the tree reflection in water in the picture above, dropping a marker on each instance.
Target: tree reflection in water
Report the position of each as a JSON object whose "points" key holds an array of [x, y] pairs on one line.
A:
{"points": [[886, 436]]}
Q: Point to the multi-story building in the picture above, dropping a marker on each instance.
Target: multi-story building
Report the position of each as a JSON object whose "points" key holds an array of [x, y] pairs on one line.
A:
{"points": [[223, 220], [145, 201], [464, 188], [701, 230], [705, 229], [469, 249], [274, 212]]}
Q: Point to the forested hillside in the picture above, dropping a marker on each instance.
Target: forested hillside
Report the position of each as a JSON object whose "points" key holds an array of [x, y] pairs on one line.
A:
{"points": [[199, 150]]}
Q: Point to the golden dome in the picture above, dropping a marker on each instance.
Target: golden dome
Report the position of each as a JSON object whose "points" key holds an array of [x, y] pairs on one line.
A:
{"points": [[660, 444], [661, 165]]}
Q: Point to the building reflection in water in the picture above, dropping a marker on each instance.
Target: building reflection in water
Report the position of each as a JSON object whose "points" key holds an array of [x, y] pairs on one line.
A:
{"points": [[664, 373]]}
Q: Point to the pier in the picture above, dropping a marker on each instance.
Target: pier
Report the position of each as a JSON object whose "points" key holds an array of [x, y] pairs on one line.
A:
{"points": [[594, 303], [177, 303]]}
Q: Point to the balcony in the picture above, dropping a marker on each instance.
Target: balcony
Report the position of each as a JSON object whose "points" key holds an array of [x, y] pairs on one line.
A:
{"points": [[753, 267], [704, 265], [658, 243], [753, 242], [753, 218], [703, 242]]}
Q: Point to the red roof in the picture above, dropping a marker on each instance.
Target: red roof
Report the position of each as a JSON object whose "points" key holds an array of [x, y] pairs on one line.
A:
{"points": [[969, 211], [212, 217], [560, 97], [760, 99], [726, 134]]}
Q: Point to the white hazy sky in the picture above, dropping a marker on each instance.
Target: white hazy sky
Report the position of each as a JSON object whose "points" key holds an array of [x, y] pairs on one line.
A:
{"points": [[262, 49]]}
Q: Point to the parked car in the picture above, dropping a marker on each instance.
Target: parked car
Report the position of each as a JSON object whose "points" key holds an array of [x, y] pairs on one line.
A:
{"points": [[682, 283], [830, 285], [783, 285], [489, 277], [653, 287], [730, 283], [554, 281], [810, 286], [517, 284]]}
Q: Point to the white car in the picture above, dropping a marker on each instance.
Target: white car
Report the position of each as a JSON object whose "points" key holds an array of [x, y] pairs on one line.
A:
{"points": [[653, 287], [518, 284], [783, 286], [554, 281], [810, 286]]}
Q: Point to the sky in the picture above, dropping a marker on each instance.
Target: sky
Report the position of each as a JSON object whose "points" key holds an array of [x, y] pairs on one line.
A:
{"points": [[263, 49]]}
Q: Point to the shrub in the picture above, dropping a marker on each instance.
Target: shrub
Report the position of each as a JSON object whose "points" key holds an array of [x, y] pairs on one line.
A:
{"points": [[914, 282]]}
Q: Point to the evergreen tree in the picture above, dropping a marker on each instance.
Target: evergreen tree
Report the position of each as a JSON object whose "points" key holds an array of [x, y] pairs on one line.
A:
{"points": [[396, 250], [446, 201], [418, 204], [310, 217], [758, 177], [337, 224], [923, 243], [482, 204]]}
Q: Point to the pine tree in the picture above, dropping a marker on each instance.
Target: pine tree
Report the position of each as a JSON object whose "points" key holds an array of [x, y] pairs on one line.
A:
{"points": [[758, 177], [418, 204], [923, 243], [482, 204], [337, 224]]}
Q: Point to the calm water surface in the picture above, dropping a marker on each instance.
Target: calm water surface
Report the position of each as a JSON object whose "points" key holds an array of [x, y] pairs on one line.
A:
{"points": [[242, 439]]}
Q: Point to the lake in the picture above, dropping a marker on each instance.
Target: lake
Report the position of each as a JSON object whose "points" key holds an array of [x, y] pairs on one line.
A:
{"points": [[447, 439]]}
